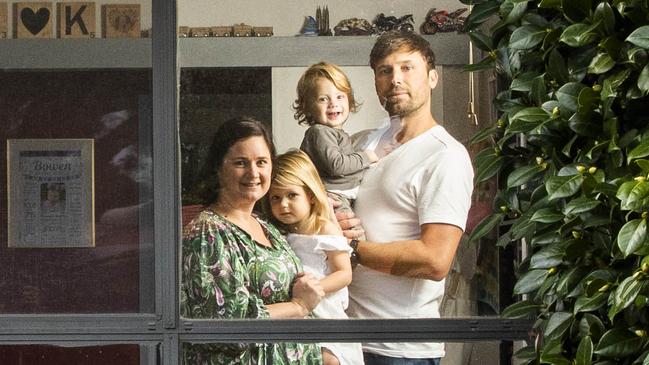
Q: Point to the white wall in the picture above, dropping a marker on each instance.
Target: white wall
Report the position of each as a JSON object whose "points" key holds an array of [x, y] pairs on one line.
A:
{"points": [[287, 16]]}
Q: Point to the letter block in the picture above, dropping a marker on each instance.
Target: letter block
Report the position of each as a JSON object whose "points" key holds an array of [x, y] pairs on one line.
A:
{"points": [[33, 20], [3, 21], [121, 20], [76, 20]]}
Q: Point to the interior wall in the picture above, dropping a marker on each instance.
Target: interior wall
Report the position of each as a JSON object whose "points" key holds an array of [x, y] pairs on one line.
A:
{"points": [[287, 16]]}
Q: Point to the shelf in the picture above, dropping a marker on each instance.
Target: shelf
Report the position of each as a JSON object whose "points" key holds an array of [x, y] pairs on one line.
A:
{"points": [[75, 53], [450, 49]]}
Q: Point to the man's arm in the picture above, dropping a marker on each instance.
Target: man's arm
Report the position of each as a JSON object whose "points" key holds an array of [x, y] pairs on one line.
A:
{"points": [[430, 257]]}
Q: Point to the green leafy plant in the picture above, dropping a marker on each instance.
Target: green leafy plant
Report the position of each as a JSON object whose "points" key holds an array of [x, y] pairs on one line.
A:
{"points": [[571, 154]]}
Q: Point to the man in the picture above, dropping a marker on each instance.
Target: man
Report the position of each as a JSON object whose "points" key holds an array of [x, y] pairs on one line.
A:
{"points": [[413, 204]]}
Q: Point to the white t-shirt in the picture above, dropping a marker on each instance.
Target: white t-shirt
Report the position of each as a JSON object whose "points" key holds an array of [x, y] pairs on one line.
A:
{"points": [[429, 179]]}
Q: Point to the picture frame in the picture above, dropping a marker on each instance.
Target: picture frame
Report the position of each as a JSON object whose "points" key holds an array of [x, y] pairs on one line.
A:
{"points": [[50, 187]]}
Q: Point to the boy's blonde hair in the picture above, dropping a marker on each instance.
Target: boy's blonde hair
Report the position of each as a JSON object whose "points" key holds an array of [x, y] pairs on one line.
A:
{"points": [[306, 90], [295, 168]]}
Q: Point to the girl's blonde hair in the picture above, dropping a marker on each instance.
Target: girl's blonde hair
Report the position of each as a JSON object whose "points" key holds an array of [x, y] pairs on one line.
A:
{"points": [[295, 168], [306, 90]]}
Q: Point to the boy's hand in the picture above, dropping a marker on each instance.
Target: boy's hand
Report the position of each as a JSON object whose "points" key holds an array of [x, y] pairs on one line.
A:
{"points": [[372, 155]]}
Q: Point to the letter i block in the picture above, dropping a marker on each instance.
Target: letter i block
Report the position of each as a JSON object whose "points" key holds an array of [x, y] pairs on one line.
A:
{"points": [[121, 20], [3, 21], [76, 20], [33, 20]]}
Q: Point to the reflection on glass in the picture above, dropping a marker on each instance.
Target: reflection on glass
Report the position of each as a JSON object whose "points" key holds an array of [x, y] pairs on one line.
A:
{"points": [[89, 355], [469, 353], [113, 108]]}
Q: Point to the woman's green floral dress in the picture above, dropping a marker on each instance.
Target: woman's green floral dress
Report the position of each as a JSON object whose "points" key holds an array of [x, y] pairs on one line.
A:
{"points": [[226, 275]]}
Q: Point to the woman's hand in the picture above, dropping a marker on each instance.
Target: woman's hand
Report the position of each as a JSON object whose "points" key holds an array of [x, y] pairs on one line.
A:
{"points": [[307, 292]]}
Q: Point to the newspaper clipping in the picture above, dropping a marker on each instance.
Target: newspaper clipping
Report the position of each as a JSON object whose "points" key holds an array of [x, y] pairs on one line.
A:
{"points": [[50, 193]]}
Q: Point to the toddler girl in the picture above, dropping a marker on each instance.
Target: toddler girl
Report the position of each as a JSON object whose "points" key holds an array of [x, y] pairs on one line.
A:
{"points": [[298, 203], [324, 100]]}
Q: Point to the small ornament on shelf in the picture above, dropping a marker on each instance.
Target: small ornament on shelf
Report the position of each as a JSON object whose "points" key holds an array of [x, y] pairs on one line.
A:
{"points": [[322, 21], [442, 21], [387, 23], [310, 26], [183, 31], [76, 20], [242, 30], [3, 21], [354, 26], [33, 20], [262, 31], [197, 32], [221, 31], [121, 20]]}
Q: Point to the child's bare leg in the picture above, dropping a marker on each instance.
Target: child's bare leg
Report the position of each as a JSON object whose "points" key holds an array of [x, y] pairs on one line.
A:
{"points": [[328, 358]]}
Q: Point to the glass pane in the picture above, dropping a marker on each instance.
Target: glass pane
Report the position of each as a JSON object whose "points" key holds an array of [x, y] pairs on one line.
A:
{"points": [[224, 77], [455, 353], [77, 132], [82, 355]]}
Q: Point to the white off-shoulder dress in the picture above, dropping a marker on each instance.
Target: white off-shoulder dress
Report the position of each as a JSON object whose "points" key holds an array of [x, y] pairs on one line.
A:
{"points": [[312, 251]]}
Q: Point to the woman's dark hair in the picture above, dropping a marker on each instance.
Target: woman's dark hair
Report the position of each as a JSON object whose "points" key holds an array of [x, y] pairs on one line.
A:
{"points": [[228, 134]]}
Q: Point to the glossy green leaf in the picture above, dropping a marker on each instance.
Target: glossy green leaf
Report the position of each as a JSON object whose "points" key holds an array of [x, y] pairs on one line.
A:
{"points": [[557, 67], [526, 37], [641, 150], [538, 92], [634, 195], [485, 226], [644, 165], [522, 175], [584, 351], [569, 282], [578, 35], [601, 63], [625, 294], [481, 12], [576, 10], [568, 95], [486, 63], [547, 215], [643, 80], [591, 325], [632, 236], [482, 135], [563, 186], [640, 37], [550, 4], [517, 12], [618, 342], [580, 205], [481, 40], [526, 120], [588, 304], [604, 14], [523, 82], [558, 323], [547, 257], [520, 309], [530, 281], [487, 164]]}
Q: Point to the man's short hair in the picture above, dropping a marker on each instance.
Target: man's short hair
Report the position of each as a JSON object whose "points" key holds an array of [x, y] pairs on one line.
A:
{"points": [[398, 41]]}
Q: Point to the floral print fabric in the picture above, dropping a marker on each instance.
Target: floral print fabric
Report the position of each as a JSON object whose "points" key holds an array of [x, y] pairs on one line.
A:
{"points": [[227, 275]]}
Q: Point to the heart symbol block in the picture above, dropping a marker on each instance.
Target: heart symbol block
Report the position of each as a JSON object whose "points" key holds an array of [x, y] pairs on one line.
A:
{"points": [[34, 22]]}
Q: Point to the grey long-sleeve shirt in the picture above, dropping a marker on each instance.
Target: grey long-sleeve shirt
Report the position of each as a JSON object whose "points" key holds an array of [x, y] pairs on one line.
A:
{"points": [[339, 165]]}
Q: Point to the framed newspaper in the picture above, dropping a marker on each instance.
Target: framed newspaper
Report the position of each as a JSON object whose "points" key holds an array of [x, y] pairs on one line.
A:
{"points": [[50, 186]]}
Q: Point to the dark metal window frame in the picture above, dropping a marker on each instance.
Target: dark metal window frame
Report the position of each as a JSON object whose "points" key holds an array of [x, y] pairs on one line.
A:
{"points": [[165, 328]]}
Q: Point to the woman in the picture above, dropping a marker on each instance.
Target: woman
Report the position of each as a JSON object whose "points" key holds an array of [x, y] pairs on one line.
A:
{"points": [[235, 264]]}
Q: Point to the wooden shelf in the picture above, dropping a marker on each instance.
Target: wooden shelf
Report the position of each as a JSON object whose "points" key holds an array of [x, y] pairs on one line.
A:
{"points": [[450, 49]]}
